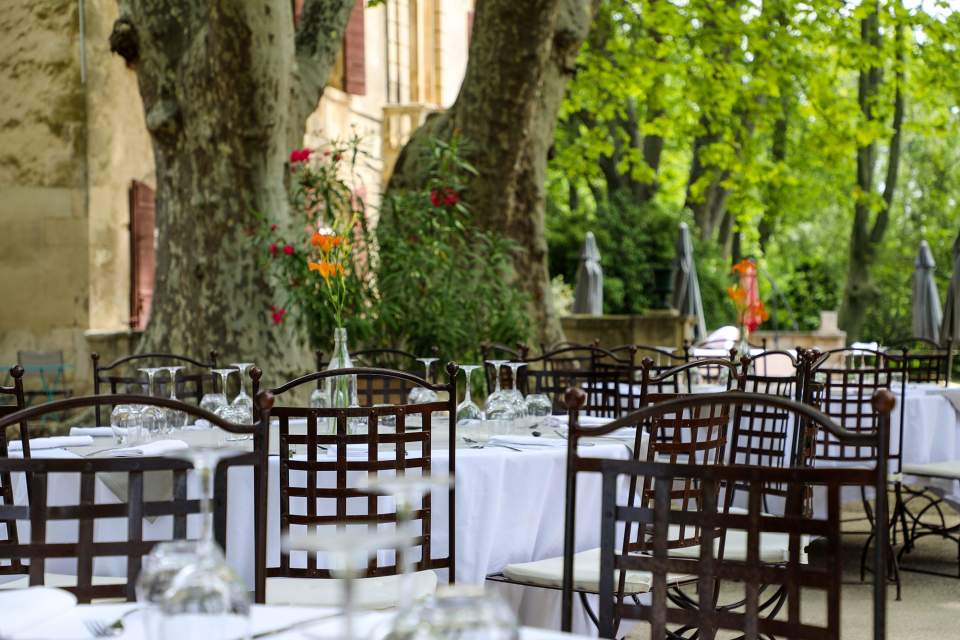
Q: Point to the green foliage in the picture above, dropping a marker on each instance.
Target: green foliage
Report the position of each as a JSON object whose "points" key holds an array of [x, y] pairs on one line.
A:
{"points": [[323, 200], [767, 94], [442, 281]]}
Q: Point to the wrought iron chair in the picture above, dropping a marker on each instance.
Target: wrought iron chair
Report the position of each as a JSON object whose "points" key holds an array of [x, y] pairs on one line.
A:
{"points": [[679, 437], [718, 561], [117, 375], [608, 380], [921, 360], [846, 397], [323, 451], [87, 511], [50, 369]]}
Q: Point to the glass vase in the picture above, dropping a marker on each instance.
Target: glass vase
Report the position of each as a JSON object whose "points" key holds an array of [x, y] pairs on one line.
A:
{"points": [[743, 347], [340, 391]]}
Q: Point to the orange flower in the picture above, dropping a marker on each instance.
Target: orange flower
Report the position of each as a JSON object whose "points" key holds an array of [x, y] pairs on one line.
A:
{"points": [[326, 269], [738, 295], [744, 266], [326, 241]]}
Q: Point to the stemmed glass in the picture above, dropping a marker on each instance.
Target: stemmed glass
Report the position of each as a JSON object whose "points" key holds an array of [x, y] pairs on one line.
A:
{"points": [[406, 491], [212, 402], [514, 393], [468, 409], [349, 551], [152, 418], [175, 419], [499, 403], [242, 399], [422, 395], [206, 598]]}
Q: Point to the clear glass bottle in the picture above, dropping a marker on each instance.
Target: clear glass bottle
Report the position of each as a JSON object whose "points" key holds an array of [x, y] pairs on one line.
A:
{"points": [[340, 391]]}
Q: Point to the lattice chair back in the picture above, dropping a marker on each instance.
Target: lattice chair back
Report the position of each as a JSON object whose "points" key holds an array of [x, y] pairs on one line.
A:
{"points": [[12, 401], [325, 451], [607, 380], [117, 376], [715, 564], [921, 360], [150, 516]]}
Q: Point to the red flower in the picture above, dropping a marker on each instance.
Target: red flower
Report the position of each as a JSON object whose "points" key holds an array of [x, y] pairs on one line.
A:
{"points": [[299, 155], [273, 227], [273, 248], [337, 156], [277, 314], [451, 197], [288, 249], [436, 199]]}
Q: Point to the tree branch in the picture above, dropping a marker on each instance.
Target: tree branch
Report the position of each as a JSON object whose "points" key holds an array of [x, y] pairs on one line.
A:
{"points": [[318, 39], [893, 157]]}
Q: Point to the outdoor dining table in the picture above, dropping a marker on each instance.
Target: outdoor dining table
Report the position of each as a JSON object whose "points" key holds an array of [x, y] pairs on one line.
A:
{"points": [[510, 508], [69, 624]]}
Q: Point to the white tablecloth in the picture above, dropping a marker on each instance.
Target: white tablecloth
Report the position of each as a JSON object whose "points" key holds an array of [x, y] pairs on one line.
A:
{"points": [[69, 624], [510, 508]]}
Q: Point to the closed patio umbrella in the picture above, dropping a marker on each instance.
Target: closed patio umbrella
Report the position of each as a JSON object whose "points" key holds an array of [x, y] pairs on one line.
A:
{"points": [[927, 314], [588, 291], [686, 287], [950, 329]]}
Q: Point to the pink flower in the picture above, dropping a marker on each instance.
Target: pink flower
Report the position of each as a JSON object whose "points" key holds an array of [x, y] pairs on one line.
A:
{"points": [[436, 198], [277, 314], [273, 249], [299, 155], [288, 249]]}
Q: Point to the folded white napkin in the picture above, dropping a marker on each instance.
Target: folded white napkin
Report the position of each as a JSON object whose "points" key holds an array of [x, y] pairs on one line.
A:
{"points": [[96, 432], [55, 442], [585, 421], [528, 441], [155, 448], [22, 609]]}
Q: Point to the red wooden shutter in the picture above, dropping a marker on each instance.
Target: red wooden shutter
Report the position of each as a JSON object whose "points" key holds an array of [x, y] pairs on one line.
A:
{"points": [[297, 10], [354, 68], [143, 256]]}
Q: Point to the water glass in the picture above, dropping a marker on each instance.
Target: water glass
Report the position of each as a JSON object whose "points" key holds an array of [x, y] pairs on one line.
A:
{"points": [[125, 423], [159, 569], [539, 407], [465, 612]]}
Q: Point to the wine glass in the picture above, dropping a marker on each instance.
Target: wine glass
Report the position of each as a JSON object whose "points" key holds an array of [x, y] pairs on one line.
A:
{"points": [[348, 552], [406, 491], [213, 401], [465, 612], [242, 398], [422, 395], [497, 391], [205, 598], [160, 567], [152, 418], [514, 393], [468, 409], [175, 419]]}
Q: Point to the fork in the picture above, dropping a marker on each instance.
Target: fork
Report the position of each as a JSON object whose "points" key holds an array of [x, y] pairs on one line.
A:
{"points": [[101, 629]]}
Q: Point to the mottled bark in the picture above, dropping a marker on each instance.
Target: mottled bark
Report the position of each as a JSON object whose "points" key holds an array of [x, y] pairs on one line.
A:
{"points": [[870, 218], [521, 57], [226, 94]]}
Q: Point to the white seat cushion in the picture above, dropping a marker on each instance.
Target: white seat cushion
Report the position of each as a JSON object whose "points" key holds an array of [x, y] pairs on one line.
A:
{"points": [[369, 593], [61, 581], [949, 469], [774, 547], [586, 573]]}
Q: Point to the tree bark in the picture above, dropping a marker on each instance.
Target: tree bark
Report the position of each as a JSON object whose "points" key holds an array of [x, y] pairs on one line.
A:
{"points": [[869, 229], [226, 94], [521, 57]]}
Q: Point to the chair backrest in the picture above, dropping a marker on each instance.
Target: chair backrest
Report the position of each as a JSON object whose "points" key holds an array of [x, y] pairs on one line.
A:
{"points": [[11, 401], [845, 395], [40, 358], [661, 516], [123, 371], [921, 360], [658, 384], [606, 379], [87, 511], [323, 453]]}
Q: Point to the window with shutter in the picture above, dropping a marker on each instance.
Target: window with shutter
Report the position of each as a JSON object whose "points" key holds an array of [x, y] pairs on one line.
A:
{"points": [[143, 256], [354, 66]]}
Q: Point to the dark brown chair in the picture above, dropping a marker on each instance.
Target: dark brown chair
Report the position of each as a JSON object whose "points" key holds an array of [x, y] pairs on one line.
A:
{"points": [[716, 561], [318, 488], [86, 511], [679, 437], [846, 397], [608, 380], [921, 360], [13, 400], [122, 372]]}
